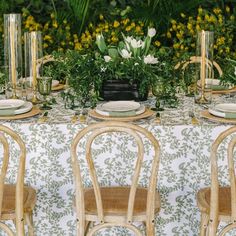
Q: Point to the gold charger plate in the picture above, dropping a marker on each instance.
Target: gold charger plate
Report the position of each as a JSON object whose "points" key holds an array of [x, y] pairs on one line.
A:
{"points": [[146, 114], [58, 87], [35, 111], [225, 91], [206, 114]]}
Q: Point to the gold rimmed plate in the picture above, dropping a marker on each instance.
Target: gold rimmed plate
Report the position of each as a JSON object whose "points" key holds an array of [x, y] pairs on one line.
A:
{"points": [[33, 112], [206, 114], [146, 114], [58, 87]]}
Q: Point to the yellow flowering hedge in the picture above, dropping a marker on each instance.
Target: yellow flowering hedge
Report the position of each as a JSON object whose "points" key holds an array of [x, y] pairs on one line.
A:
{"points": [[59, 36], [182, 34]]}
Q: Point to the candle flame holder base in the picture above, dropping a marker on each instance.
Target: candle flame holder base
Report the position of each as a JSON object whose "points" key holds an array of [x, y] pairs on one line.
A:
{"points": [[35, 99], [202, 100]]}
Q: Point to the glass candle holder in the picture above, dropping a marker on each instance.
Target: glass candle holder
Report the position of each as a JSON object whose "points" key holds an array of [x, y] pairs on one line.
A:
{"points": [[204, 69], [13, 51], [33, 54]]}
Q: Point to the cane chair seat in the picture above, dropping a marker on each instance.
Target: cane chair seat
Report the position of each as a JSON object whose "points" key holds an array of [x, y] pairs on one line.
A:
{"points": [[115, 201], [9, 201], [204, 198]]}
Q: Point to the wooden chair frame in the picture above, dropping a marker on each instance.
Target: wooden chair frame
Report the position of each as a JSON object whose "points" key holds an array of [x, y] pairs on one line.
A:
{"points": [[106, 221], [20, 179], [210, 222], [195, 59]]}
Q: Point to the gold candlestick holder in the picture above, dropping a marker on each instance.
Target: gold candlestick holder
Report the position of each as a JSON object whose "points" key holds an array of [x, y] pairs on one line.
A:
{"points": [[205, 71]]}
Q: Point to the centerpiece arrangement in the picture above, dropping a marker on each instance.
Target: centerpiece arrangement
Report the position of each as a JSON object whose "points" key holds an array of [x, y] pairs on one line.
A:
{"points": [[125, 72]]}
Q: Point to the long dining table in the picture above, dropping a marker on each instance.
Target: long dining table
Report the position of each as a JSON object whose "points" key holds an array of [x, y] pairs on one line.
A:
{"points": [[184, 166]]}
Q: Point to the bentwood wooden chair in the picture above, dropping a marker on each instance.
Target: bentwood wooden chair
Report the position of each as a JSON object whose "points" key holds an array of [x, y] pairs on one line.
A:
{"points": [[16, 200], [116, 206], [218, 203], [194, 59]]}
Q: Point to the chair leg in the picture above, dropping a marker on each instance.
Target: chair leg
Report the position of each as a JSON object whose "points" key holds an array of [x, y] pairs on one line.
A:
{"points": [[150, 229], [29, 222], [204, 224], [87, 224]]}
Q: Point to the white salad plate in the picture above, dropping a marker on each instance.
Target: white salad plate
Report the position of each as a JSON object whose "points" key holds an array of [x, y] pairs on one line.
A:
{"points": [[216, 113], [25, 108], [136, 112], [226, 107], [11, 104], [55, 83], [120, 106]]}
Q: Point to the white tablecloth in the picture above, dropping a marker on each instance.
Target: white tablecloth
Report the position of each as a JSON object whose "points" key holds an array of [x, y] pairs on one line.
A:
{"points": [[184, 169]]}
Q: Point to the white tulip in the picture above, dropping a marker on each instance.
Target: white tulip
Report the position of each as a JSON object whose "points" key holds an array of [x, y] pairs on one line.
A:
{"points": [[136, 43], [149, 59], [107, 58], [128, 39], [125, 54], [151, 32], [235, 70]]}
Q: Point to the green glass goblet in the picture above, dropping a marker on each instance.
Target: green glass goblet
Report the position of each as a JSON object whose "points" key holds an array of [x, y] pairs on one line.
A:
{"points": [[44, 88], [158, 90]]}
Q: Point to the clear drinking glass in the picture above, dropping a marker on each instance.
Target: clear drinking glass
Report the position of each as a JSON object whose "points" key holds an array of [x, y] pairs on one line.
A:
{"points": [[44, 88]]}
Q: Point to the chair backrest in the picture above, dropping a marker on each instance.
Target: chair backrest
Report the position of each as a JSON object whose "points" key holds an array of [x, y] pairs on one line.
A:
{"points": [[195, 59], [20, 177], [132, 130], [214, 199]]}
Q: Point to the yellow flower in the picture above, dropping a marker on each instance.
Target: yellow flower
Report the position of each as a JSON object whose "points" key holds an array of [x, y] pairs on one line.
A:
{"points": [[176, 46], [189, 26], [232, 17], [60, 49], [227, 9], [199, 19], [198, 28], [138, 29], [227, 49], [200, 10], [217, 10], [168, 34], [52, 15], [128, 28], [132, 24], [114, 39], [116, 24], [193, 45], [45, 45], [47, 37], [63, 43], [54, 24], [125, 21], [101, 17], [157, 43], [46, 26], [173, 22], [183, 15], [67, 27]]}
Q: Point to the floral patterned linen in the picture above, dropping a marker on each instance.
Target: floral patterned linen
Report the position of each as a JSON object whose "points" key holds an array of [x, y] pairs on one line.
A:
{"points": [[184, 169]]}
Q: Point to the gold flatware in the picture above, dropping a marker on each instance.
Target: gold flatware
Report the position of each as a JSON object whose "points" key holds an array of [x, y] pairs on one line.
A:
{"points": [[194, 120]]}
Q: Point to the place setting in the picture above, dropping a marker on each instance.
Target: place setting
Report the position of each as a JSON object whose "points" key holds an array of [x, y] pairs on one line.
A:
{"points": [[222, 112], [14, 109], [120, 111]]}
